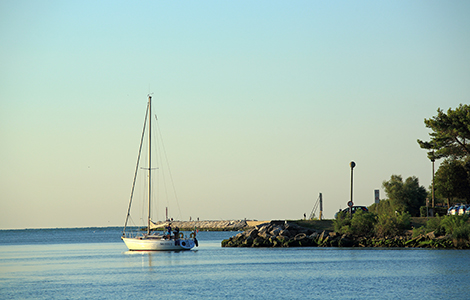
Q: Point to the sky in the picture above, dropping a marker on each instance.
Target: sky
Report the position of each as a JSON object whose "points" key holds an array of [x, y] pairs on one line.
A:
{"points": [[262, 104]]}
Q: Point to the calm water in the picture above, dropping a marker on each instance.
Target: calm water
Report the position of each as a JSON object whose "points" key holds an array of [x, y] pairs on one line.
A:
{"points": [[93, 263]]}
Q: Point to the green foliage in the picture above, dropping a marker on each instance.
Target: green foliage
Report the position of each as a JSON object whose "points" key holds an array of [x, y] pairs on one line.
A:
{"points": [[386, 226], [449, 136], [383, 207], [423, 211], [462, 232], [362, 223], [403, 221], [342, 223], [449, 133], [456, 226], [407, 196], [434, 224], [392, 224], [419, 231], [452, 180]]}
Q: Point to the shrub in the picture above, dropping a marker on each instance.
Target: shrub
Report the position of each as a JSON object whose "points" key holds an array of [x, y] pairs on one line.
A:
{"points": [[363, 223], [457, 226], [392, 224], [434, 224], [342, 220], [383, 207], [386, 225], [419, 231], [423, 211], [462, 232]]}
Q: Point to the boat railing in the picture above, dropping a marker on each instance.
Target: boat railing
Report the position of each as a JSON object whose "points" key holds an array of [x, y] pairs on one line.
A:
{"points": [[130, 234], [134, 234]]}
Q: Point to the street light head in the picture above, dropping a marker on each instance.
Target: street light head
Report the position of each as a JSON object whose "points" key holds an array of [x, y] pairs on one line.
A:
{"points": [[352, 164]]}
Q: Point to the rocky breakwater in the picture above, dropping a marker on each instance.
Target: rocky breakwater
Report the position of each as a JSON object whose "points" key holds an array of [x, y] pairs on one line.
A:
{"points": [[231, 225], [286, 234], [289, 234]]}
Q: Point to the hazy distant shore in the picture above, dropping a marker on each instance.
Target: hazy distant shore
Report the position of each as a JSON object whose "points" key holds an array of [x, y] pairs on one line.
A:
{"points": [[226, 225], [209, 225]]}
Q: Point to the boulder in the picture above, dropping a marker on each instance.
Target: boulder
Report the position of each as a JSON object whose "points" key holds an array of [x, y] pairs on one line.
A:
{"points": [[276, 231], [322, 236], [324, 242], [253, 233], [314, 235], [264, 234], [345, 241], [300, 236]]}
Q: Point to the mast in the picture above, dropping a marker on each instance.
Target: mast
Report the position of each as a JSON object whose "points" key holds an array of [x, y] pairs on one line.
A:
{"points": [[150, 163]]}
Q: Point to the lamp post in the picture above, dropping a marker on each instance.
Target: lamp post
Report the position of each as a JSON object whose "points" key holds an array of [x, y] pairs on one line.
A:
{"points": [[432, 160], [351, 203]]}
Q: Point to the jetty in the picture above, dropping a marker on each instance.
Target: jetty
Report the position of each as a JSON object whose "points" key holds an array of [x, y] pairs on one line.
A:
{"points": [[293, 234], [214, 225]]}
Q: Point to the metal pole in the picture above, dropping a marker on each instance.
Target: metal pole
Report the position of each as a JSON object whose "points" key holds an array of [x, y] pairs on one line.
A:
{"points": [[427, 208], [321, 207], [150, 163], [352, 165], [433, 184]]}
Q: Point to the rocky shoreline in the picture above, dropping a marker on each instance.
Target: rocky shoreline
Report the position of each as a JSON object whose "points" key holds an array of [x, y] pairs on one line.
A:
{"points": [[290, 234]]}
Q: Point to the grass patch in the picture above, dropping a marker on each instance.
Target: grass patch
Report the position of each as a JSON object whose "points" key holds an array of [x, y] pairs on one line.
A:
{"points": [[317, 224]]}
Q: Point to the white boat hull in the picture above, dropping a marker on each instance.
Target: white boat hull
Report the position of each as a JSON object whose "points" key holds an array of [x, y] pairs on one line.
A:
{"points": [[158, 244]]}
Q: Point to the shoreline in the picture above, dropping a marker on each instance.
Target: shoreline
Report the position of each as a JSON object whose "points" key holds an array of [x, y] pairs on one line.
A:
{"points": [[292, 234]]}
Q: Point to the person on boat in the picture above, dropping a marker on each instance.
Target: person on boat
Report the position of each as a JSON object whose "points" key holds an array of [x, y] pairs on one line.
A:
{"points": [[168, 231], [193, 235], [177, 233]]}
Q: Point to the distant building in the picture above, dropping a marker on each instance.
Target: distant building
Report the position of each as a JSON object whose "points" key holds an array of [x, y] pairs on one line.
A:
{"points": [[377, 196]]}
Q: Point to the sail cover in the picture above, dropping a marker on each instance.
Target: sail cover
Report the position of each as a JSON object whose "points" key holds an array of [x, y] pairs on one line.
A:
{"points": [[158, 225]]}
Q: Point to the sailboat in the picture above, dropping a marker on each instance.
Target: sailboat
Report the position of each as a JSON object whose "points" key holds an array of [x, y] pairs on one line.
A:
{"points": [[149, 240]]}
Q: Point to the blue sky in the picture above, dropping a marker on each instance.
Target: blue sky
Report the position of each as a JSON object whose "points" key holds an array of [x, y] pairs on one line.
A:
{"points": [[262, 105]]}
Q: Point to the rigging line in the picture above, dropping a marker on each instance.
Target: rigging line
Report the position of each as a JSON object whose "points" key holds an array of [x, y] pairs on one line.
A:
{"points": [[132, 221], [314, 209], [161, 155], [162, 175], [158, 175], [136, 169], [168, 166]]}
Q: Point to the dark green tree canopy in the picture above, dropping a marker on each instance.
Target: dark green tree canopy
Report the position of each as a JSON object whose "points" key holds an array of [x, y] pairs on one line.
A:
{"points": [[407, 196], [451, 133], [452, 181]]}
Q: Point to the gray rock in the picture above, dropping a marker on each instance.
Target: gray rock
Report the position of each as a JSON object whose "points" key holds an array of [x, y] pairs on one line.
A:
{"points": [[314, 235], [322, 236], [276, 231], [253, 233]]}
